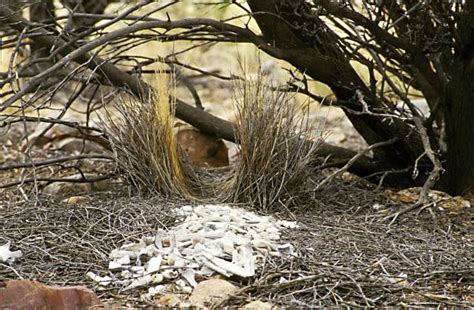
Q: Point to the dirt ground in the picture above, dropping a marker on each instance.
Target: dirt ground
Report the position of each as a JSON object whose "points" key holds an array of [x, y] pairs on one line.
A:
{"points": [[348, 251]]}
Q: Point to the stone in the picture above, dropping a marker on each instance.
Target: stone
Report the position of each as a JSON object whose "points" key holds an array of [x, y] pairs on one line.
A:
{"points": [[211, 291], [64, 188], [169, 300], [257, 305], [22, 294], [75, 200], [7, 256], [201, 149]]}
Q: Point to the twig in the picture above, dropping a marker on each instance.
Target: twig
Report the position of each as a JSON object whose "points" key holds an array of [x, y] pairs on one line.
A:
{"points": [[352, 160]]}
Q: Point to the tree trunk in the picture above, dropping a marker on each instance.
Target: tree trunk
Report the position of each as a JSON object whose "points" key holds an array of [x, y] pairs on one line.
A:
{"points": [[459, 111], [459, 115]]}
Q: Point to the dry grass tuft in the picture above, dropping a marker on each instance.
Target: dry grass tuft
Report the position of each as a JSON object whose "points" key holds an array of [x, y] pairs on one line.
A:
{"points": [[145, 145], [275, 156]]}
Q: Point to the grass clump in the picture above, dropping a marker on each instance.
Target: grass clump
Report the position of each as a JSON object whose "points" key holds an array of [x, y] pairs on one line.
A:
{"points": [[276, 154], [145, 146]]}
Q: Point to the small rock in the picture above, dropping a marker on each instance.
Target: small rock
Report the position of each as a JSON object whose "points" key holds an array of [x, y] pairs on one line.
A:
{"points": [[62, 188], [74, 145], [22, 294], [74, 200], [7, 256], [210, 291], [257, 305], [169, 300]]}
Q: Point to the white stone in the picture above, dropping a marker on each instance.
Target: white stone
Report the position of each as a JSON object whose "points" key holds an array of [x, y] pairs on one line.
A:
{"points": [[141, 281], [154, 264], [189, 275], [7, 256], [113, 265], [139, 270], [103, 281], [257, 305], [154, 290]]}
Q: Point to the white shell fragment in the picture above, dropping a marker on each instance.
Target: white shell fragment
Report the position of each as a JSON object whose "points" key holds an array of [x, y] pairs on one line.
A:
{"points": [[7, 256], [210, 239]]}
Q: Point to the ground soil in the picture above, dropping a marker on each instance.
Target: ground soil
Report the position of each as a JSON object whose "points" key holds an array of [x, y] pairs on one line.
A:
{"points": [[348, 251]]}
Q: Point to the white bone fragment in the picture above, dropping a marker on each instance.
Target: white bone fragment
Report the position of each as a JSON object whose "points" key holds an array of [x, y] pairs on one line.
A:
{"points": [[7, 256], [233, 268], [181, 283], [195, 227], [125, 260], [113, 265], [148, 240], [142, 281], [261, 243], [272, 230], [241, 240], [185, 244], [218, 225], [186, 290], [151, 250], [285, 247], [179, 263], [118, 253], [154, 264], [287, 224], [228, 242], [126, 274], [103, 281], [205, 271], [189, 275], [139, 270], [274, 236], [152, 291], [252, 233], [168, 260], [187, 209], [236, 228], [213, 234], [216, 268], [134, 247]]}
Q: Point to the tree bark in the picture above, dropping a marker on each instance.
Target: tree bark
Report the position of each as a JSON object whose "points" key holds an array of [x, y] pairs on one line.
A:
{"points": [[459, 111]]}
